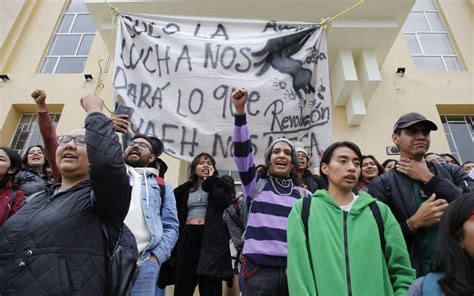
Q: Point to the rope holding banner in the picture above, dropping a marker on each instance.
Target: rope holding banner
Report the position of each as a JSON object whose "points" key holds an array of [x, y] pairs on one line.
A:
{"points": [[325, 21]]}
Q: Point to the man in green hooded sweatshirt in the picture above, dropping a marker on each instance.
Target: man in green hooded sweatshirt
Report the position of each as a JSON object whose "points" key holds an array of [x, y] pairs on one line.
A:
{"points": [[347, 252]]}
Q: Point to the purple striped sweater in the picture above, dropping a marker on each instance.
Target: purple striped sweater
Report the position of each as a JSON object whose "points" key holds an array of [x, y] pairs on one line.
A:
{"points": [[265, 238]]}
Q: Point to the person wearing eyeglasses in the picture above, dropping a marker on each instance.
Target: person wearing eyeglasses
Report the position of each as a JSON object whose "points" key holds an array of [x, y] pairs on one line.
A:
{"points": [[54, 245], [153, 220]]}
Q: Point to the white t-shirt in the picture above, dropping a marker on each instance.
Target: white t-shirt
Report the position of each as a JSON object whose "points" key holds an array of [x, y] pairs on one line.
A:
{"points": [[348, 207]]}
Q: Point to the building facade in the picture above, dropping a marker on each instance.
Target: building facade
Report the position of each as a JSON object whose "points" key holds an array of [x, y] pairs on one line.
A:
{"points": [[386, 58]]}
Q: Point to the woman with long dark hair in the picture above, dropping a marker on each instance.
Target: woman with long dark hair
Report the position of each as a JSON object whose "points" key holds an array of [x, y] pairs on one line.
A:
{"points": [[271, 195], [11, 198], [371, 168], [33, 176], [202, 254], [453, 266]]}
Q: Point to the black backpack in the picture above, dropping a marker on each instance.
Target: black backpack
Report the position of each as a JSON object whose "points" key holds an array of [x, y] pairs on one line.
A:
{"points": [[122, 257]]}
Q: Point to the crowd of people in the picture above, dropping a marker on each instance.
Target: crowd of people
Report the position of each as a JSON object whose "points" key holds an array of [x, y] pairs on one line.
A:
{"points": [[88, 215]]}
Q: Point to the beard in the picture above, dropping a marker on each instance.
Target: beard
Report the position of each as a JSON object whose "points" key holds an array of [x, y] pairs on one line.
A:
{"points": [[136, 162]]}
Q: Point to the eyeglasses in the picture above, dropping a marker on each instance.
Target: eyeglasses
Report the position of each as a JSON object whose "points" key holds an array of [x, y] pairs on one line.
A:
{"points": [[139, 144], [78, 140]]}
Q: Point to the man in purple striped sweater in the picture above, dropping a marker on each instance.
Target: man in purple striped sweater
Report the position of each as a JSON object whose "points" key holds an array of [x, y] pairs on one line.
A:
{"points": [[265, 247]]}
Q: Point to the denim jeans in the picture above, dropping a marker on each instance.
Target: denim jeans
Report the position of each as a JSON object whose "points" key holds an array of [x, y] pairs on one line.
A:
{"points": [[145, 284], [264, 280]]}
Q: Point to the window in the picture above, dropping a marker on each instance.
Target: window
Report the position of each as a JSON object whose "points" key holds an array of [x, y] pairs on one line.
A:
{"points": [[428, 39], [27, 133], [233, 174], [459, 130], [71, 43]]}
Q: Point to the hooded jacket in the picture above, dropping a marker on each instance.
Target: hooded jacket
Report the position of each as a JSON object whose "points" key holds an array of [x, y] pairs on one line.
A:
{"points": [[345, 250], [160, 216], [55, 245]]}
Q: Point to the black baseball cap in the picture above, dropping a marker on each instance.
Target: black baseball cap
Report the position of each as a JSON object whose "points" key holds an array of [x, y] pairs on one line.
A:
{"points": [[156, 145], [412, 118]]}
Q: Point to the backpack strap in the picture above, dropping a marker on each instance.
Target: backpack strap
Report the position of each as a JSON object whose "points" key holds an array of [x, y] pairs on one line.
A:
{"points": [[378, 219], [386, 185], [305, 214], [305, 211], [161, 184]]}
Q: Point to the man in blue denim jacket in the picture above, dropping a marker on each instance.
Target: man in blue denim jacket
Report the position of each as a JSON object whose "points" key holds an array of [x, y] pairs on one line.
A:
{"points": [[153, 221]]}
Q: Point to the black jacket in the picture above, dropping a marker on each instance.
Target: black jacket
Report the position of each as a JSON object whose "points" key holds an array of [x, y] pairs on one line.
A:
{"points": [[31, 181], [395, 189], [54, 245], [214, 259]]}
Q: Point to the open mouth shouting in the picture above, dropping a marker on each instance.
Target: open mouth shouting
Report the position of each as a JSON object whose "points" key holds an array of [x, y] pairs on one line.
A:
{"points": [[135, 153], [281, 164]]}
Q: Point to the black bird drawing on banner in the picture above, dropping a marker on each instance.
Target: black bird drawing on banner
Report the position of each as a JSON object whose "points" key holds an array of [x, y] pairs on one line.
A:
{"points": [[278, 53]]}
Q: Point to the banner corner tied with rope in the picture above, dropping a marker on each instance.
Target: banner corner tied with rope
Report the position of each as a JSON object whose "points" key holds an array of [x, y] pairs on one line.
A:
{"points": [[178, 74]]}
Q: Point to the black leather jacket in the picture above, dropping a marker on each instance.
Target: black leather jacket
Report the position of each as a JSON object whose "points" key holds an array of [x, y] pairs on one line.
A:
{"points": [[54, 245], [395, 189]]}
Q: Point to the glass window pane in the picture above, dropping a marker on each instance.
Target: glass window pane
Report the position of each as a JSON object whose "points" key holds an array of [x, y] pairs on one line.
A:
{"points": [[453, 64], [48, 65], [436, 44], [65, 23], [71, 65], [415, 22], [463, 139], [64, 45], [435, 22], [413, 44], [428, 63], [77, 6], [452, 147], [26, 119], [85, 45], [83, 24], [424, 5]]}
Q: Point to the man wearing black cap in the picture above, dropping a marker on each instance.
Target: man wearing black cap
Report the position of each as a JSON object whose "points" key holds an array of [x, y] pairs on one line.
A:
{"points": [[153, 220], [417, 191]]}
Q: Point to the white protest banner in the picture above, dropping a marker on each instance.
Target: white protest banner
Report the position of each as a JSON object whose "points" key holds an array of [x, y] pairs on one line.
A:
{"points": [[178, 74]]}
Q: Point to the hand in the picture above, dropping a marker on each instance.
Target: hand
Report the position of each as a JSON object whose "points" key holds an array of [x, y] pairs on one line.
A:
{"points": [[92, 103], [239, 99], [429, 213], [416, 170], [39, 96], [120, 123], [211, 173]]}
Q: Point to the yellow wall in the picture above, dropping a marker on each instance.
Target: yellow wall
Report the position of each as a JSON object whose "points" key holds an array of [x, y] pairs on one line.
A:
{"points": [[28, 27]]}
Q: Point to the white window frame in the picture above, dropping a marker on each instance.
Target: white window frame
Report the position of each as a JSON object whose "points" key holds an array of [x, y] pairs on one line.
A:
{"points": [[445, 32], [69, 33], [448, 133], [30, 127]]}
